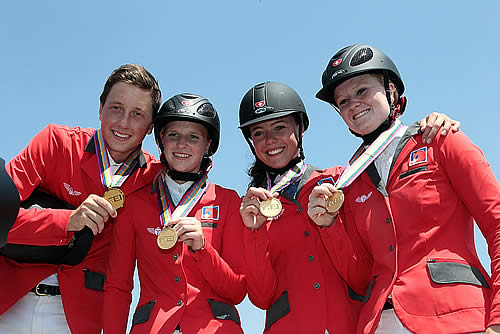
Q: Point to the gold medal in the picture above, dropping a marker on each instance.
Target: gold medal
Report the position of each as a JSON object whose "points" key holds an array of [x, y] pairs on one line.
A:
{"points": [[167, 238], [270, 207], [334, 202], [115, 196]]}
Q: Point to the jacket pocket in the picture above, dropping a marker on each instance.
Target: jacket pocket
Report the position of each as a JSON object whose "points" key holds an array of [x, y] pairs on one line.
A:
{"points": [[141, 315], [443, 272], [278, 310], [224, 311], [413, 171], [93, 280]]}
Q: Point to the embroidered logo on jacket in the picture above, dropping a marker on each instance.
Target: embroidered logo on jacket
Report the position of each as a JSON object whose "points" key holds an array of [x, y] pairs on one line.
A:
{"points": [[418, 156], [155, 231], [210, 212], [363, 198], [70, 190]]}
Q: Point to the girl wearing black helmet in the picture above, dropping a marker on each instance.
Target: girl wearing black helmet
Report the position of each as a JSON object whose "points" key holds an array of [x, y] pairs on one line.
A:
{"points": [[185, 237], [408, 212], [288, 272]]}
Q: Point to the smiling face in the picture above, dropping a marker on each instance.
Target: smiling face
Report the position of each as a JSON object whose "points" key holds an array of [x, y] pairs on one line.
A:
{"points": [[126, 118], [275, 141], [184, 144], [363, 103]]}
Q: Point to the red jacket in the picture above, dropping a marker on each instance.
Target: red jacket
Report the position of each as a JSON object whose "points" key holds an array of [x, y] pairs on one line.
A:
{"points": [[177, 285], [289, 273], [61, 161], [419, 231]]}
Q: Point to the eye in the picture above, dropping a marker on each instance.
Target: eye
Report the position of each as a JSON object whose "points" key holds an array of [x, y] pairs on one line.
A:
{"points": [[137, 114], [361, 91], [279, 128], [343, 102], [257, 133], [193, 137]]}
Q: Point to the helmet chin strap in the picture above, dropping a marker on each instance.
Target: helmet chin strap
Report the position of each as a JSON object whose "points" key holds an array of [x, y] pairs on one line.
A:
{"points": [[205, 166], [394, 113]]}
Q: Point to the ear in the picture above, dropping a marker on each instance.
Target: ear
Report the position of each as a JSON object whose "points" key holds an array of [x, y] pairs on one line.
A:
{"points": [[100, 112], [207, 148], [150, 129], [394, 92]]}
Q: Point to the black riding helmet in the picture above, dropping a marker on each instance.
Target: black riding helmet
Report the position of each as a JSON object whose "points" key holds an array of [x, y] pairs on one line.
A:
{"points": [[190, 108], [354, 60], [270, 100]]}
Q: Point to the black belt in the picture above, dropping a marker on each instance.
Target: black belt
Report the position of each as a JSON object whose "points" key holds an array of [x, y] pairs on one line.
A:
{"points": [[46, 290], [388, 304]]}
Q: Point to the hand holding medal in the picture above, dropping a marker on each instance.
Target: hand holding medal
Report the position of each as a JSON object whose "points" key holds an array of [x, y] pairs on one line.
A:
{"points": [[250, 209], [326, 199], [324, 202], [176, 225]]}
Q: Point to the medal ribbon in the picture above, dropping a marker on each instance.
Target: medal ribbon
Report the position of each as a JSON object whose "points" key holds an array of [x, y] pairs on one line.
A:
{"points": [[364, 157], [185, 205], [109, 180], [291, 176]]}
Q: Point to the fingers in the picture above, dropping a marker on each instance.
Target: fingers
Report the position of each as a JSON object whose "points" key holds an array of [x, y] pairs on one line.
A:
{"points": [[250, 207], [316, 208], [189, 231], [431, 126], [437, 122], [93, 212]]}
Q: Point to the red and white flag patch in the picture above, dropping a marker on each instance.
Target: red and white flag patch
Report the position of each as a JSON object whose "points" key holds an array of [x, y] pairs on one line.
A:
{"points": [[210, 212], [418, 156]]}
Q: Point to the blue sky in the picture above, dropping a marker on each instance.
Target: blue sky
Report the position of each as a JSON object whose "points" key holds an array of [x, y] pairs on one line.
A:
{"points": [[56, 56]]}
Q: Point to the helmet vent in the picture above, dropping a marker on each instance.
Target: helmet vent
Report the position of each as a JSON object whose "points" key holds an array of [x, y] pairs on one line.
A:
{"points": [[170, 106], [207, 110], [361, 56]]}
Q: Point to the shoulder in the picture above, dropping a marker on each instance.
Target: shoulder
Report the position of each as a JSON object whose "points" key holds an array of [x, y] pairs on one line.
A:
{"points": [[227, 193], [320, 175]]}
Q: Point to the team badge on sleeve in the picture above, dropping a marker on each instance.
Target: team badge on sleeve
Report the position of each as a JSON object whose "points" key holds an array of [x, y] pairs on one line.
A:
{"points": [[210, 212], [418, 156]]}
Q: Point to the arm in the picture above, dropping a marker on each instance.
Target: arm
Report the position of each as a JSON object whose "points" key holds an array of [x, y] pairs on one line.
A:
{"points": [[341, 239], [473, 180], [223, 270], [29, 170], [38, 166], [259, 272], [119, 276]]}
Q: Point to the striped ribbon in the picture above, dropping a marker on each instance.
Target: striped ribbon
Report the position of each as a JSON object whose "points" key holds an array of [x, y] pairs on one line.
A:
{"points": [[364, 156], [185, 205], [109, 180], [291, 176]]}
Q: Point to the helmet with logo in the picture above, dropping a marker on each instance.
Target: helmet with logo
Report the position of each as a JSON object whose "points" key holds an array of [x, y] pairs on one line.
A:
{"points": [[269, 100], [355, 60], [190, 108]]}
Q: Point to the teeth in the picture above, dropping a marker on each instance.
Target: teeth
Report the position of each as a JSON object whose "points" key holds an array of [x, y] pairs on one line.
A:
{"points": [[181, 155], [275, 151], [120, 135], [361, 114]]}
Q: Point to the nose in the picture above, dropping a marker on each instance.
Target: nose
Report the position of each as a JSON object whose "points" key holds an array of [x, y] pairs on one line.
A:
{"points": [[181, 141], [124, 120], [269, 137]]}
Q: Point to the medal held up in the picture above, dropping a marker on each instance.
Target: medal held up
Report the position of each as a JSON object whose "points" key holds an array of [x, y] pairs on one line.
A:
{"points": [[272, 207], [168, 236], [359, 162], [110, 181]]}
